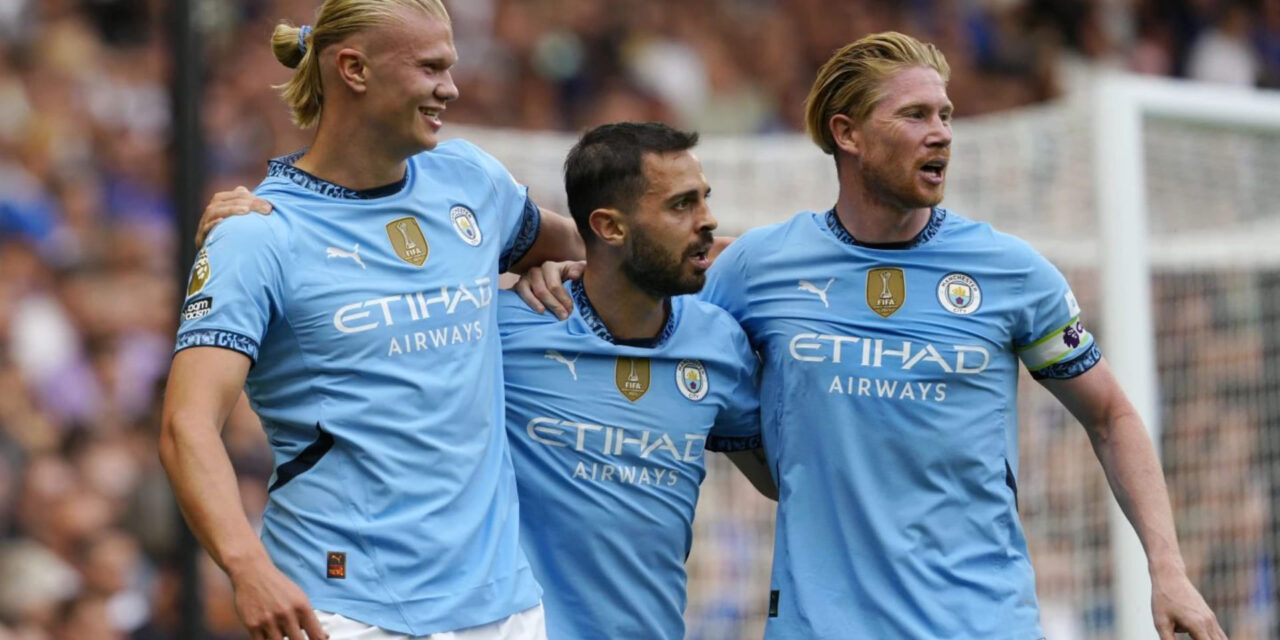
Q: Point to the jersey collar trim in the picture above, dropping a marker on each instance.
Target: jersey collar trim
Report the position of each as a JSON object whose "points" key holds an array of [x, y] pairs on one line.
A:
{"points": [[936, 217], [597, 326], [282, 167]]}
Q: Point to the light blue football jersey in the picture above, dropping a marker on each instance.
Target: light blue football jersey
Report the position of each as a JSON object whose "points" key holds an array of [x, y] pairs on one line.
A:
{"points": [[889, 391], [608, 441], [371, 320]]}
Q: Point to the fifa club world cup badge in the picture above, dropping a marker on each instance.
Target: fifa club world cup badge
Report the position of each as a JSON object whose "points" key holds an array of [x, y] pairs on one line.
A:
{"points": [[886, 290], [959, 294], [632, 377], [407, 239], [691, 378]]}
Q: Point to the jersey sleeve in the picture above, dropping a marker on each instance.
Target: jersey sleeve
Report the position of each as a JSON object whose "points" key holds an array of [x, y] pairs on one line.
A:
{"points": [[727, 280], [519, 218], [1050, 337], [234, 288], [737, 427]]}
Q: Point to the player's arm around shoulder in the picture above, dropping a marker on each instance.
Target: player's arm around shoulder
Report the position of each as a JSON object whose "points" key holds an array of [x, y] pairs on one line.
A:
{"points": [[1133, 470], [557, 240], [224, 204]]}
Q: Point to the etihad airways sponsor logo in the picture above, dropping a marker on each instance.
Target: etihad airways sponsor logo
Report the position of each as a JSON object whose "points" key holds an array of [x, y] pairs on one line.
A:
{"points": [[387, 311], [644, 456], [615, 441], [900, 354]]}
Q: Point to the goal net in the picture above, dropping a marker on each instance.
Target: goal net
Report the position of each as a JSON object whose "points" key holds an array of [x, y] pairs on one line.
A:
{"points": [[1212, 234]]}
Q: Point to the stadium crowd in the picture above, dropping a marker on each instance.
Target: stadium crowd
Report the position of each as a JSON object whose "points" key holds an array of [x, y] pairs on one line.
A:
{"points": [[87, 243]]}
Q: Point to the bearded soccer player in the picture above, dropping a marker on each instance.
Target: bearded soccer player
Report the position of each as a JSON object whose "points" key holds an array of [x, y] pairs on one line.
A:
{"points": [[890, 330], [360, 320], [610, 413]]}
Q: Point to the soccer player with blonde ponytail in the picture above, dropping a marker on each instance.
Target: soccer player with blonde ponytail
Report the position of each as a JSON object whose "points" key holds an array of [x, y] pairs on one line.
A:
{"points": [[359, 318]]}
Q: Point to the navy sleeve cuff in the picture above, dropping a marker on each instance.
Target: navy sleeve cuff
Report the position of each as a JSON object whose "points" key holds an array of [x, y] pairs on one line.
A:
{"points": [[530, 223], [218, 338], [733, 445]]}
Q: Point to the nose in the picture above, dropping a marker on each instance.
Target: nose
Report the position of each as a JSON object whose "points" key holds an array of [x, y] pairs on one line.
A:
{"points": [[447, 90], [940, 135], [708, 221]]}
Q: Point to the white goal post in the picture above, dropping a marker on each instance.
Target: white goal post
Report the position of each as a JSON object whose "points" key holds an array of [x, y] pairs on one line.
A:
{"points": [[1123, 104]]}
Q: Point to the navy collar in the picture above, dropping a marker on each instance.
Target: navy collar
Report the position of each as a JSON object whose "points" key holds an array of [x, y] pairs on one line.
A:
{"points": [[597, 326], [282, 167], [936, 216]]}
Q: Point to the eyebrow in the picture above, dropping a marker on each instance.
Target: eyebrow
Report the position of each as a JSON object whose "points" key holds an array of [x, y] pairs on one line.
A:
{"points": [[447, 59], [687, 194], [925, 105]]}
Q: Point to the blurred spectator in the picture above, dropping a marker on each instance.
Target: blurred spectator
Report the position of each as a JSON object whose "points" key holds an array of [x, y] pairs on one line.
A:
{"points": [[1224, 53]]}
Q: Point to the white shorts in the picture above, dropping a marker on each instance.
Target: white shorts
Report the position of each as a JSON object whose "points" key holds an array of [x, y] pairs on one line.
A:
{"points": [[526, 625]]}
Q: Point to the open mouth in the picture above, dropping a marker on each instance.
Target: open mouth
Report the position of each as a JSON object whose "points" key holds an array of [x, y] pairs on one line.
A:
{"points": [[934, 170], [432, 114], [699, 256]]}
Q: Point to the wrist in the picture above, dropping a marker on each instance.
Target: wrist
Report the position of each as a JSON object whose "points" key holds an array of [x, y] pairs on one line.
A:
{"points": [[1166, 566], [242, 562]]}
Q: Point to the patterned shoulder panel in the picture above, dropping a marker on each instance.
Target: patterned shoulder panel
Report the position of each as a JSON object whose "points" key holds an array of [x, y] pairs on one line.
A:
{"points": [[936, 217], [597, 326], [282, 167]]}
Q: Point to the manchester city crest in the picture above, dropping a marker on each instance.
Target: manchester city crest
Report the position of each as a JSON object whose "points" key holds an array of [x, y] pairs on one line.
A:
{"points": [[959, 294], [464, 222], [691, 379]]}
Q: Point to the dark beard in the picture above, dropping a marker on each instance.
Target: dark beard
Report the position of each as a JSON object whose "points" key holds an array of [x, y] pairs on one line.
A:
{"points": [[656, 272]]}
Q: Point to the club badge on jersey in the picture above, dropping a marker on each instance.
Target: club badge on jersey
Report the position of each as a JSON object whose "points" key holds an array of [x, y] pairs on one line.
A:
{"points": [[464, 222], [959, 293], [691, 378]]}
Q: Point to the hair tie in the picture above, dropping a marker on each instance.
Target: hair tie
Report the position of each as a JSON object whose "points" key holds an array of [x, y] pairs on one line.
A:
{"points": [[303, 32]]}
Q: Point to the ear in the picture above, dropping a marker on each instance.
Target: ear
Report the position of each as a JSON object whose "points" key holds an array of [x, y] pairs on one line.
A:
{"points": [[353, 69], [846, 134], [609, 225]]}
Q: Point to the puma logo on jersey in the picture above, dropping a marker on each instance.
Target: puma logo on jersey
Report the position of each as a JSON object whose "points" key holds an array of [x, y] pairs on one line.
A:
{"points": [[805, 285], [572, 364], [354, 254]]}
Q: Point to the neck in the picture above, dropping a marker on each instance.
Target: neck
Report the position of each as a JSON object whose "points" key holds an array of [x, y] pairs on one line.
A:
{"points": [[628, 312], [350, 156], [870, 221], [870, 218]]}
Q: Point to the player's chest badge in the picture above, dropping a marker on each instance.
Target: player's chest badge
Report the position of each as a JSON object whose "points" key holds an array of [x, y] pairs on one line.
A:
{"points": [[407, 239], [886, 290], [464, 222], [959, 293], [632, 376], [691, 379]]}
